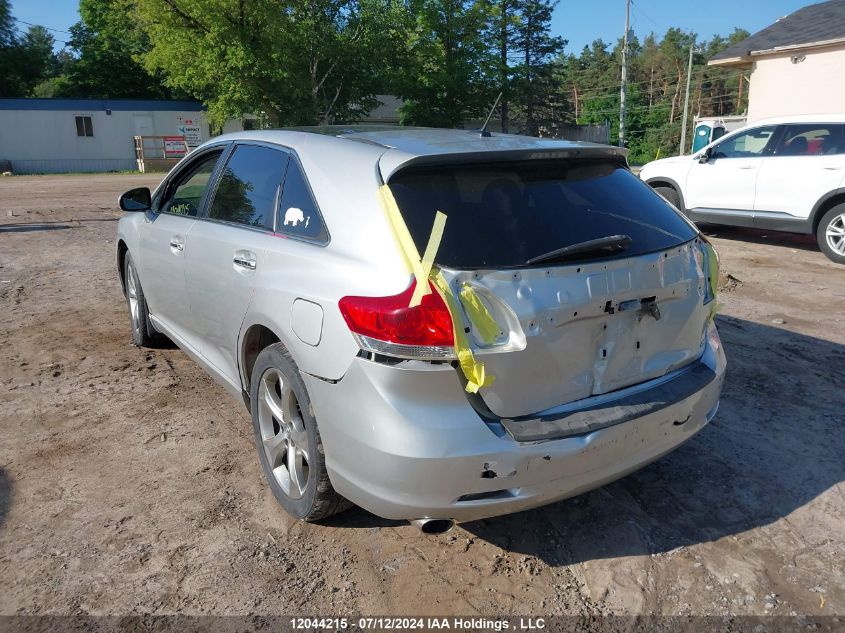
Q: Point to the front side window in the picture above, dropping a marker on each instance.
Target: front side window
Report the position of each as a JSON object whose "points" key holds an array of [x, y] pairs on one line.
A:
{"points": [[248, 189], [811, 140], [184, 194], [298, 213], [501, 215], [84, 126], [750, 144]]}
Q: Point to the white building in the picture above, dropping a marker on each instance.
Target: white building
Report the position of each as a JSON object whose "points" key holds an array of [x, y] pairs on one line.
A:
{"points": [[77, 135], [797, 64]]}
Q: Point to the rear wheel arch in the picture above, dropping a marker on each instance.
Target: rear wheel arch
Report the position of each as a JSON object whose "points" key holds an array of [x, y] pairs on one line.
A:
{"points": [[256, 338], [825, 204]]}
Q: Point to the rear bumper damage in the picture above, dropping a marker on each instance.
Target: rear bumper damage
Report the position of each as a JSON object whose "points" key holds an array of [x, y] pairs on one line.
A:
{"points": [[411, 446]]}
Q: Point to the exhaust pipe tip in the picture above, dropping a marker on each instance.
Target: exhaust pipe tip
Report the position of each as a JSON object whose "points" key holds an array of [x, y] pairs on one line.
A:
{"points": [[433, 526]]}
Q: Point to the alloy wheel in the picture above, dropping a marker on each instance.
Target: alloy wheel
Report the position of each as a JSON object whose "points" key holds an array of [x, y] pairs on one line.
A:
{"points": [[283, 436], [835, 234], [132, 293]]}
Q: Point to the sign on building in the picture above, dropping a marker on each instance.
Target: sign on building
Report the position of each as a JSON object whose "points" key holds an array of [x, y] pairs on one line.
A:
{"points": [[175, 146], [191, 130]]}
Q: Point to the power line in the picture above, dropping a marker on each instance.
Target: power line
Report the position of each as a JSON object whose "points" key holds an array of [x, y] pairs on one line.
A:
{"points": [[637, 9], [613, 88], [656, 107], [612, 93], [43, 27]]}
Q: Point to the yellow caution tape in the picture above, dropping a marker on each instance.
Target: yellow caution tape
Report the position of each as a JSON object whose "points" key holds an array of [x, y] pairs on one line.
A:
{"points": [[428, 258], [406, 242], [713, 274], [479, 315], [420, 267], [473, 370]]}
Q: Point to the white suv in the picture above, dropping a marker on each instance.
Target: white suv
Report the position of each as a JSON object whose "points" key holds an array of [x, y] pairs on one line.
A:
{"points": [[784, 174]]}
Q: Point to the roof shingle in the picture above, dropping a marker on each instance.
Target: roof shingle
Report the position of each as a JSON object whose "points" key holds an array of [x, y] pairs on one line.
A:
{"points": [[820, 22]]}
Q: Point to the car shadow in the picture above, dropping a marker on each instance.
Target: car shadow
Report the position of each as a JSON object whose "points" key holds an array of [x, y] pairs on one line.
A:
{"points": [[359, 518], [759, 236], [775, 445], [5, 495], [26, 227], [30, 227]]}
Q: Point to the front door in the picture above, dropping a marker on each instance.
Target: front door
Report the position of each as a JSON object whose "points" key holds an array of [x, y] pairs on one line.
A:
{"points": [[164, 243], [143, 125], [727, 181]]}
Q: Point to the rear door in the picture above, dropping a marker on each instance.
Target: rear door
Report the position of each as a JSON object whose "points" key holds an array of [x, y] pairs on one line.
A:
{"points": [[227, 245], [727, 181], [809, 161], [164, 242], [576, 325]]}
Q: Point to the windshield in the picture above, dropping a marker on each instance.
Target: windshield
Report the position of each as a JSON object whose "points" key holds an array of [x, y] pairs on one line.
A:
{"points": [[501, 215]]}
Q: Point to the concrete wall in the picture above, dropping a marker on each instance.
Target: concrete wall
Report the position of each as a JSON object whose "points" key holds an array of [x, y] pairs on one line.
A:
{"points": [[45, 141], [813, 86]]}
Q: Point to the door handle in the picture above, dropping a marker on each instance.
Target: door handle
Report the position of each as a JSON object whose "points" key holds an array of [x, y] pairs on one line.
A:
{"points": [[833, 167], [177, 245], [746, 167], [244, 261]]}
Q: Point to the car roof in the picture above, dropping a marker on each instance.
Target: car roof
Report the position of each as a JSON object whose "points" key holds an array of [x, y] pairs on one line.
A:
{"points": [[800, 118], [399, 145]]}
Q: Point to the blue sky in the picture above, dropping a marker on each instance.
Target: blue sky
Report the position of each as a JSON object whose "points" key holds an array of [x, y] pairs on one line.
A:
{"points": [[579, 21]]}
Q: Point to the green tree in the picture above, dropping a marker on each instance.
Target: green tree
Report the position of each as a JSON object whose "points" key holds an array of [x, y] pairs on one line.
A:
{"points": [[447, 79], [109, 46], [7, 25], [298, 62], [501, 34], [536, 90], [657, 79], [24, 61]]}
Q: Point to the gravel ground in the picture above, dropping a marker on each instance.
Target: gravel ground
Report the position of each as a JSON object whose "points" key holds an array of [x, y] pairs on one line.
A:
{"points": [[129, 481]]}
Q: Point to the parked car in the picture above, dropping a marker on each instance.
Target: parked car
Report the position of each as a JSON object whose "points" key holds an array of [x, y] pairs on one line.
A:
{"points": [[784, 174], [563, 338]]}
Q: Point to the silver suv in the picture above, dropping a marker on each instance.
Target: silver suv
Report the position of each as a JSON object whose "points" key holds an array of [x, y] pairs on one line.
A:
{"points": [[436, 325]]}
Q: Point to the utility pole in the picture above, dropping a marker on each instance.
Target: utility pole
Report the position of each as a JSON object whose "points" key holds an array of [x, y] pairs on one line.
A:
{"points": [[682, 149], [623, 89]]}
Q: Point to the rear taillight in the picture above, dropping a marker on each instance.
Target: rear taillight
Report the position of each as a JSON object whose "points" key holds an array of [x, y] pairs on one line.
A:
{"points": [[386, 325]]}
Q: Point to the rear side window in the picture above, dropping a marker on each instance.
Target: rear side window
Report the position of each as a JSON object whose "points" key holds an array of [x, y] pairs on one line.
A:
{"points": [[812, 139], [298, 213], [249, 186], [750, 144], [500, 215]]}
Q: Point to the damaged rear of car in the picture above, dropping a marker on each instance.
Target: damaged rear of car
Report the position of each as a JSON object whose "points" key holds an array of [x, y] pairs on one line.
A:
{"points": [[557, 334], [436, 325]]}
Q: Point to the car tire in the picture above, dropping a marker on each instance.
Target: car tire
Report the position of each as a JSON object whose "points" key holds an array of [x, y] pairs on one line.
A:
{"points": [[287, 438], [670, 195], [830, 234], [143, 333]]}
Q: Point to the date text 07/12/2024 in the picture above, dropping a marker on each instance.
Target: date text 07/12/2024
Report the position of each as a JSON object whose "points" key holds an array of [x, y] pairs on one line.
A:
{"points": [[418, 623]]}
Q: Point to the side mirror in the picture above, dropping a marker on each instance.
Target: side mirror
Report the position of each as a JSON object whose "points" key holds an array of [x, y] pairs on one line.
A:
{"points": [[705, 155], [139, 199]]}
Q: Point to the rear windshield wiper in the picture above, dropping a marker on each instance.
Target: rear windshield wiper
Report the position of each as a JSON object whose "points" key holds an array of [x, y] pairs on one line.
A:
{"points": [[608, 243]]}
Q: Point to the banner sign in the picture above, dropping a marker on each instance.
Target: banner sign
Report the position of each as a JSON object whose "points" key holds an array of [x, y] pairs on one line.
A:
{"points": [[174, 147]]}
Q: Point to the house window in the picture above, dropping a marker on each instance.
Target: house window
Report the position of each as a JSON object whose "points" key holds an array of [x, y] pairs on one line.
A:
{"points": [[84, 126]]}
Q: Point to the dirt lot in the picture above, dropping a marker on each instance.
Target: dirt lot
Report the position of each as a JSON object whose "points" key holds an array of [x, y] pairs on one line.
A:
{"points": [[129, 481]]}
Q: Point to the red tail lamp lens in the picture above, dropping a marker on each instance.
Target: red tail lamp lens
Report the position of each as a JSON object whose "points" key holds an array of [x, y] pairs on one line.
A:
{"points": [[390, 319]]}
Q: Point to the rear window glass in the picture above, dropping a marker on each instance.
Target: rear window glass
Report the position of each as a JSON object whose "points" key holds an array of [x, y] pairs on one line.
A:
{"points": [[503, 214]]}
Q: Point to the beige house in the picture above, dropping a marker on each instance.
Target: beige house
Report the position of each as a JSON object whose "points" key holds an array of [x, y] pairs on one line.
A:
{"points": [[797, 65]]}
